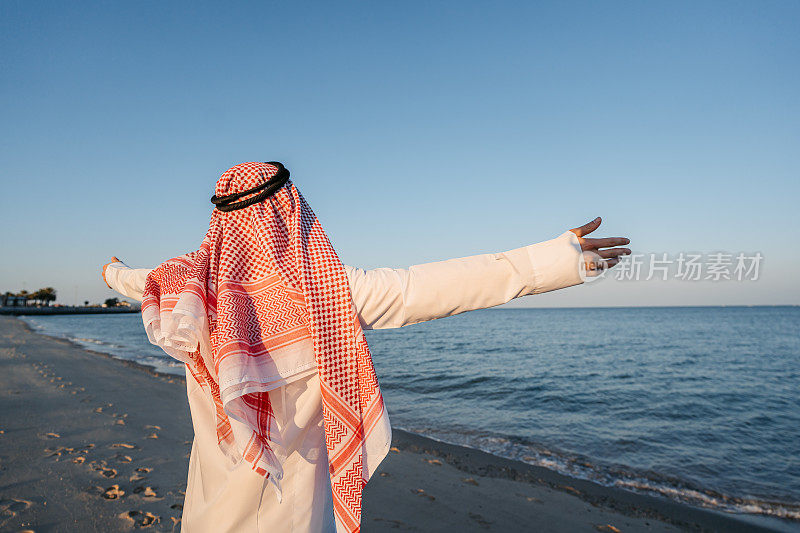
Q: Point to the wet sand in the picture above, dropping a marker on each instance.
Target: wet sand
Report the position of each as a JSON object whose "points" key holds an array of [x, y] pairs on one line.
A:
{"points": [[92, 443]]}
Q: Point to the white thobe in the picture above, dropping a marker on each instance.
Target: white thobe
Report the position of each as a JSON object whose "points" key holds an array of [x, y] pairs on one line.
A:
{"points": [[225, 498]]}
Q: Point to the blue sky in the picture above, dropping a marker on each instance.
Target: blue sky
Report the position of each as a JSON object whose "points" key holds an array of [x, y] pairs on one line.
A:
{"points": [[417, 132]]}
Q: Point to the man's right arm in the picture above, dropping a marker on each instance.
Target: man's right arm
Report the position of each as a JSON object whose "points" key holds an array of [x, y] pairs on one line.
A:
{"points": [[126, 280]]}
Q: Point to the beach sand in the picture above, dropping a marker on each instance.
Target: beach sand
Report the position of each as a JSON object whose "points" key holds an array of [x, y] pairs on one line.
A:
{"points": [[92, 443]]}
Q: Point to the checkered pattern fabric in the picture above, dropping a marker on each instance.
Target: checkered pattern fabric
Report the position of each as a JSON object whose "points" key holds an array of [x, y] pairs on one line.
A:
{"points": [[266, 277]]}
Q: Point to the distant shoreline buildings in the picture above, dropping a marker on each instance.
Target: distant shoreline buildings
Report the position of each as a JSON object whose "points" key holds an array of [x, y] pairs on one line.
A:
{"points": [[38, 303], [21, 298], [67, 310]]}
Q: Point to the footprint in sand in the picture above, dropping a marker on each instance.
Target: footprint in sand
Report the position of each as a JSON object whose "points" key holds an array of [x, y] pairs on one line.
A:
{"points": [[124, 458], [469, 480], [119, 422], [140, 519], [113, 493], [145, 492], [480, 520], [9, 507], [157, 428], [51, 436], [58, 451], [103, 468], [79, 460], [434, 462], [152, 436], [65, 450], [606, 527], [140, 474], [394, 524], [98, 410], [123, 445], [422, 492], [573, 490]]}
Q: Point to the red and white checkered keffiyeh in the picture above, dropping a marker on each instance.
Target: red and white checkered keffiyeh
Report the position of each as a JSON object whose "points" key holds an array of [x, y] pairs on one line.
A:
{"points": [[267, 279]]}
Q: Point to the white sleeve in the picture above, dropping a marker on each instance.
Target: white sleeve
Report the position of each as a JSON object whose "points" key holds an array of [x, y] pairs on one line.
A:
{"points": [[393, 297], [126, 280]]}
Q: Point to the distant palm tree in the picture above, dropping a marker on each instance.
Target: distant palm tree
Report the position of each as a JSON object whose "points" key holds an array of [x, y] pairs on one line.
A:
{"points": [[25, 295], [48, 294]]}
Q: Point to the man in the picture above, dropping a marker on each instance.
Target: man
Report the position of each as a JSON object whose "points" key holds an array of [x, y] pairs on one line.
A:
{"points": [[288, 416]]}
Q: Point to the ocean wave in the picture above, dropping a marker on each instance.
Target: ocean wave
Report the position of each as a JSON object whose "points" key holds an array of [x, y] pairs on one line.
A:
{"points": [[642, 482], [97, 342], [133, 353]]}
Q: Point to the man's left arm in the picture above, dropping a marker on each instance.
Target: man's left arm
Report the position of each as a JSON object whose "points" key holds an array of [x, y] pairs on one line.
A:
{"points": [[397, 297]]}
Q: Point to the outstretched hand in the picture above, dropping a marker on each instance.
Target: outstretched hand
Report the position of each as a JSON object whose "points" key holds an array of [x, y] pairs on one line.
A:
{"points": [[114, 259], [600, 254]]}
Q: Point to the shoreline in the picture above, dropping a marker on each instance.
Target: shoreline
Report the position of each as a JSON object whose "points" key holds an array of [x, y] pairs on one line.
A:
{"points": [[66, 310], [423, 484]]}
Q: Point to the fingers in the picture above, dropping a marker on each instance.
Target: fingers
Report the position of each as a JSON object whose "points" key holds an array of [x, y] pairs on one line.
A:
{"points": [[593, 244], [587, 228], [114, 259], [103, 275], [613, 252]]}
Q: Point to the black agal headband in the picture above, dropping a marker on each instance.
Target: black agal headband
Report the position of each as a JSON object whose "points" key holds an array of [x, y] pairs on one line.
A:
{"points": [[229, 203]]}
